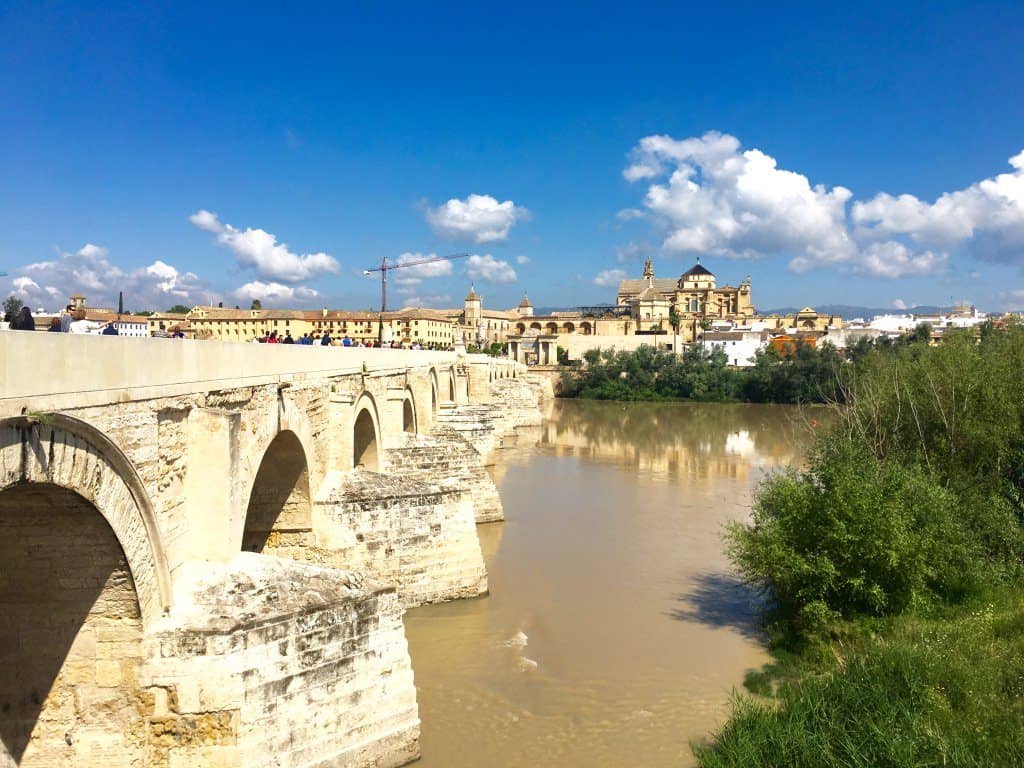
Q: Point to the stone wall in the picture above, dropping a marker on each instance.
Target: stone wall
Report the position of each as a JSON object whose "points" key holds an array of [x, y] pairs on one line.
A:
{"points": [[277, 663], [136, 631], [70, 636]]}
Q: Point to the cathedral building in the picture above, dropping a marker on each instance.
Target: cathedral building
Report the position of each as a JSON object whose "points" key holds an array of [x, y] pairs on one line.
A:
{"points": [[690, 301]]}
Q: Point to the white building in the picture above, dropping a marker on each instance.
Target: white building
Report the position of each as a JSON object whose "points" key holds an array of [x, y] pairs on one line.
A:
{"points": [[739, 346]]}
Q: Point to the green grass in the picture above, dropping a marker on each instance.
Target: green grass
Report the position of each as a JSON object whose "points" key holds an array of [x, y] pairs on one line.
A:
{"points": [[947, 690]]}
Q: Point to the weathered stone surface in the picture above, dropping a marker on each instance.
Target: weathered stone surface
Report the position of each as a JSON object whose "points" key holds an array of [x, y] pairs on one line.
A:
{"points": [[193, 572], [445, 458]]}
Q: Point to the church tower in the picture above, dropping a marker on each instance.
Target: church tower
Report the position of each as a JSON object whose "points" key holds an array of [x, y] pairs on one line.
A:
{"points": [[474, 308]]}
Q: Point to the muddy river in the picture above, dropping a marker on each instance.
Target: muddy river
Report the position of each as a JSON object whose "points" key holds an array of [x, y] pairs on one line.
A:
{"points": [[615, 630]]}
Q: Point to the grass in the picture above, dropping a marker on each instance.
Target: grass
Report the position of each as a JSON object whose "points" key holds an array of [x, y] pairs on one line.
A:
{"points": [[907, 691]]}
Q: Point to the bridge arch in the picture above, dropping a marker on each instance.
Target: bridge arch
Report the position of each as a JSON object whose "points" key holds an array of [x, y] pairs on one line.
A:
{"points": [[279, 515], [434, 394], [410, 418], [451, 385], [67, 453], [83, 566], [366, 448], [67, 595]]}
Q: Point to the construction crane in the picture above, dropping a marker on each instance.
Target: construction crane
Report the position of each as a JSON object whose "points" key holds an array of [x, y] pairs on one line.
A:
{"points": [[384, 268]]}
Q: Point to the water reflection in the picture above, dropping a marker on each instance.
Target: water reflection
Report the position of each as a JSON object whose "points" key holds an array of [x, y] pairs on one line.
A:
{"points": [[721, 440], [615, 629]]}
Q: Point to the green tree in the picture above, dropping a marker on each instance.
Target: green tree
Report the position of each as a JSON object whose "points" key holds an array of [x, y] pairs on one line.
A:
{"points": [[179, 309], [256, 304], [12, 305], [674, 319]]}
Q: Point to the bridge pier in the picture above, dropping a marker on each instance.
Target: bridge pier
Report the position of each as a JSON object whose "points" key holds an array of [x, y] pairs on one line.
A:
{"points": [[232, 533]]}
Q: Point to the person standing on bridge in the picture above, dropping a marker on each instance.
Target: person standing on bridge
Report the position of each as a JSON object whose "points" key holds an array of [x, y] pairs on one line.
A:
{"points": [[23, 321]]}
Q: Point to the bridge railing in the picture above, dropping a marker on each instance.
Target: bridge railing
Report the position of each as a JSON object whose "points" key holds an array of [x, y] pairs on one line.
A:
{"points": [[50, 371]]}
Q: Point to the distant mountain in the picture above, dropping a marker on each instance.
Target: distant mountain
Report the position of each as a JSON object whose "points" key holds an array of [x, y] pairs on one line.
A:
{"points": [[847, 311]]}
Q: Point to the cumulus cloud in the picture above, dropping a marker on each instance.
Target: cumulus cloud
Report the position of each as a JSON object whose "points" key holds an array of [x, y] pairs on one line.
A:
{"points": [[899, 304], [719, 200], [522, 260], [478, 218], [708, 196], [892, 259], [610, 278], [413, 275], [274, 293], [89, 271], [259, 250], [488, 268], [988, 215]]}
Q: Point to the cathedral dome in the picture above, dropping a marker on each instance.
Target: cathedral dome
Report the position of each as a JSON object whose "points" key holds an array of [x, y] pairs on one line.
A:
{"points": [[697, 270]]}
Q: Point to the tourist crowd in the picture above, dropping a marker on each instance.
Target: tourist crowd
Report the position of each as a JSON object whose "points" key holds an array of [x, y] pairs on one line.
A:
{"points": [[326, 340]]}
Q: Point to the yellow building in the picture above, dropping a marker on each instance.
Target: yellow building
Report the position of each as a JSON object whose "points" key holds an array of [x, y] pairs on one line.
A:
{"points": [[407, 326], [805, 320], [247, 324]]}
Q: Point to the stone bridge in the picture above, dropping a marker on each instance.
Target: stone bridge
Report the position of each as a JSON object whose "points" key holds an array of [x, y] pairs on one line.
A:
{"points": [[206, 548]]}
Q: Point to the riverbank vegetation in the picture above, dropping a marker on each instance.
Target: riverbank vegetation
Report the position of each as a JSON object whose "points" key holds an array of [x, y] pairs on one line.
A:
{"points": [[892, 569], [807, 376]]}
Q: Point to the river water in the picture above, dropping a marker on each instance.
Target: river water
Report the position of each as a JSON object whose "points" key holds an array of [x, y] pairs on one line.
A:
{"points": [[615, 630]]}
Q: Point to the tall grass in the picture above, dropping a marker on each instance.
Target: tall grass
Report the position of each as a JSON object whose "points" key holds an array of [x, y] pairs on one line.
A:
{"points": [[925, 692]]}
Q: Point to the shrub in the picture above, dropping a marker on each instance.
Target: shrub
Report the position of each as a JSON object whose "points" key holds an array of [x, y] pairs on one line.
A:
{"points": [[852, 535]]}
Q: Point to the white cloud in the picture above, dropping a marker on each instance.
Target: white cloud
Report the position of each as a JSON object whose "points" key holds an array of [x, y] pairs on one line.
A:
{"points": [[706, 196], [487, 267], [718, 200], [522, 260], [426, 301], [89, 271], [414, 275], [899, 304], [274, 293], [206, 221], [259, 250], [892, 259], [987, 215], [610, 278], [478, 218]]}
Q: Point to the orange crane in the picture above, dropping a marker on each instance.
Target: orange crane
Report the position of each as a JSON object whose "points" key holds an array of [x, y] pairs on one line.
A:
{"points": [[384, 268]]}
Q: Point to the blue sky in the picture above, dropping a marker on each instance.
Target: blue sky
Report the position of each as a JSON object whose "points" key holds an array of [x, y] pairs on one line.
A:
{"points": [[185, 153]]}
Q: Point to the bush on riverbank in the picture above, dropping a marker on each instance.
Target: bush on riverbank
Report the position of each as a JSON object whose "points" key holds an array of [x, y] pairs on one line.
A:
{"points": [[875, 559], [808, 376]]}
